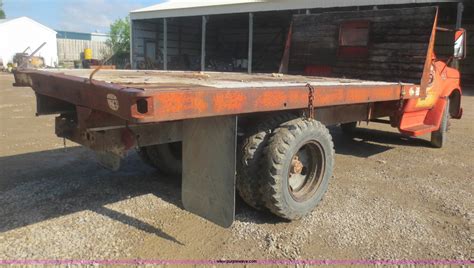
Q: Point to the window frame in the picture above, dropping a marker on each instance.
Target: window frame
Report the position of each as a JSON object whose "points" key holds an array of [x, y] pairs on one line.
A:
{"points": [[353, 51]]}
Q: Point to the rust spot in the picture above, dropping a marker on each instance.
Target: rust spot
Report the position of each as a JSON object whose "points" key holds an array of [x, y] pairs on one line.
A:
{"points": [[272, 99], [229, 101], [128, 140]]}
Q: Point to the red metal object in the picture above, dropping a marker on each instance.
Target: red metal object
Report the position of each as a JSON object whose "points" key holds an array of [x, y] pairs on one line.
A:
{"points": [[353, 52], [425, 78], [423, 115], [439, 82], [318, 70], [354, 39]]}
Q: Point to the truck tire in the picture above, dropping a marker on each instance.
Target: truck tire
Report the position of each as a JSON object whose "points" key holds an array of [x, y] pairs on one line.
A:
{"points": [[250, 152], [438, 137], [297, 165], [349, 128], [166, 158]]}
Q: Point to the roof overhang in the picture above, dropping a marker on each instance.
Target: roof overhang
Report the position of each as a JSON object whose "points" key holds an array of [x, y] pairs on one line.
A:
{"points": [[181, 8]]}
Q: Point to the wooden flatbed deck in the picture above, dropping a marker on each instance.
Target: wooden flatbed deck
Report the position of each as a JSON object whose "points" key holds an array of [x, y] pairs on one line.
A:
{"points": [[157, 96], [152, 79]]}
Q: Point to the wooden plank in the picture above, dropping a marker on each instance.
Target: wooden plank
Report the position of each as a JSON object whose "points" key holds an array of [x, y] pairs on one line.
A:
{"points": [[398, 42]]}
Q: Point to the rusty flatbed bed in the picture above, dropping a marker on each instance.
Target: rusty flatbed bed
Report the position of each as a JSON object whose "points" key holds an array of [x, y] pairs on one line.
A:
{"points": [[156, 96]]}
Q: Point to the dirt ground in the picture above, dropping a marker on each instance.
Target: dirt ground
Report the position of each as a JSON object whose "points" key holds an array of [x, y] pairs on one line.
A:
{"points": [[391, 197]]}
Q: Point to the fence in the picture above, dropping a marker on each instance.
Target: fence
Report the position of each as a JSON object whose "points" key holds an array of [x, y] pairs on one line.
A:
{"points": [[71, 50]]}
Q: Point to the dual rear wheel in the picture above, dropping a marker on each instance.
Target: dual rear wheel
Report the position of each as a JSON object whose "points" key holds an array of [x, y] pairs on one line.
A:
{"points": [[290, 168], [284, 165]]}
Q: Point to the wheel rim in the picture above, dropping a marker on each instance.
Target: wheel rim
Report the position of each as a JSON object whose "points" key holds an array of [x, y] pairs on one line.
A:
{"points": [[306, 171]]}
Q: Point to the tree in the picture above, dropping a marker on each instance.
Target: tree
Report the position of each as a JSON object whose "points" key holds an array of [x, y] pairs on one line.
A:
{"points": [[119, 40], [2, 13]]}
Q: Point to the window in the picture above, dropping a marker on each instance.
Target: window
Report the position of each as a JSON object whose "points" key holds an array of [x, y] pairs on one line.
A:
{"points": [[354, 39]]}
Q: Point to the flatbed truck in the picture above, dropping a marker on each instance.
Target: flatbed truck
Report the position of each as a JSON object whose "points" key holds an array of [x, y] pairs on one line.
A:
{"points": [[263, 135]]}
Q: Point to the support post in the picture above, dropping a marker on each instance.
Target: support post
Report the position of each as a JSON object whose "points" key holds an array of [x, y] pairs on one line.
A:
{"points": [[132, 64], [165, 44], [203, 43], [459, 15], [308, 12], [249, 59]]}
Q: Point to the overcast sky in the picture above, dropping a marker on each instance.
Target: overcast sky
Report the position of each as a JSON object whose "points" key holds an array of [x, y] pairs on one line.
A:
{"points": [[74, 15]]}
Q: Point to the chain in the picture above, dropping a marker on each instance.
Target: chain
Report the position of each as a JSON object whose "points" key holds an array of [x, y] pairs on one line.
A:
{"points": [[310, 101], [402, 96]]}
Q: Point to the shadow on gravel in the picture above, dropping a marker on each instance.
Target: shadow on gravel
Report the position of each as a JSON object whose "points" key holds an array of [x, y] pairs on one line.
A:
{"points": [[125, 219], [366, 142], [38, 186]]}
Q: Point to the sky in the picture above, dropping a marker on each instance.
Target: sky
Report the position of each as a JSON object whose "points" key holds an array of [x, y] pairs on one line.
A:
{"points": [[74, 15]]}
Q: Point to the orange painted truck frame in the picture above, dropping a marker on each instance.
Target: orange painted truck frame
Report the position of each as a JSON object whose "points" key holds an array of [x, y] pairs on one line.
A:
{"points": [[261, 133]]}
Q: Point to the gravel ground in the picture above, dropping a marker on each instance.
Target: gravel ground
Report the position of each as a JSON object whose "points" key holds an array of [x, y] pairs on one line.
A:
{"points": [[390, 198]]}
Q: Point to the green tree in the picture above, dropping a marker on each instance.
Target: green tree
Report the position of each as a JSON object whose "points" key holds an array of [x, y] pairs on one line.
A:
{"points": [[2, 13], [119, 40]]}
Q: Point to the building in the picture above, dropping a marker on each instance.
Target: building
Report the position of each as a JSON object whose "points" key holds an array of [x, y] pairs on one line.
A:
{"points": [[26, 35], [73, 35], [96, 36], [71, 46], [99, 37], [244, 35]]}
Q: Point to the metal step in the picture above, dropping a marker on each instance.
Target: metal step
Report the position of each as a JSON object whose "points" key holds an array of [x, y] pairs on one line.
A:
{"points": [[418, 130]]}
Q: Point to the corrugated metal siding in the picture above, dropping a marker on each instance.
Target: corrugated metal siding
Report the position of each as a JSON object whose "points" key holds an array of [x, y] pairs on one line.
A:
{"points": [[184, 38], [226, 41]]}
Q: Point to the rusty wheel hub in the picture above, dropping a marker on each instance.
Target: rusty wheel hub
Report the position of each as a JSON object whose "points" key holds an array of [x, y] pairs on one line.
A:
{"points": [[296, 165], [306, 171]]}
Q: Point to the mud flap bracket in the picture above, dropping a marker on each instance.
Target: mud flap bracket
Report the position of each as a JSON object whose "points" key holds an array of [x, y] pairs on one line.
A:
{"points": [[209, 166]]}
